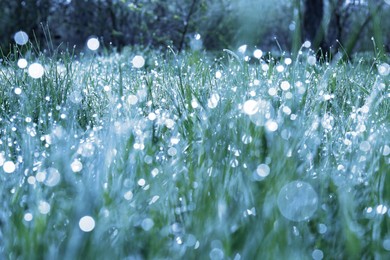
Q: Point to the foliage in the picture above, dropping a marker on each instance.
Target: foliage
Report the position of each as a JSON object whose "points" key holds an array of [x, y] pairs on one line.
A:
{"points": [[221, 23], [170, 160]]}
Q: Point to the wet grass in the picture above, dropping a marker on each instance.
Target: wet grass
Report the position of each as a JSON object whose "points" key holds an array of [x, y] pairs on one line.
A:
{"points": [[189, 157]]}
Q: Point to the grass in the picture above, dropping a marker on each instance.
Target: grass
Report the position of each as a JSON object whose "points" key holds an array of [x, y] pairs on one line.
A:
{"points": [[172, 162]]}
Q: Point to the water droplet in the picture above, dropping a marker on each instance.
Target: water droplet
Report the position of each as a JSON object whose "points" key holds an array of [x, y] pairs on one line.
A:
{"points": [[386, 242], [213, 101], [384, 69], [242, 48], [250, 107], [18, 91], [297, 201], [311, 60], [9, 167], [87, 223], [35, 70], [271, 125], [128, 195], [76, 165], [93, 43], [141, 182], [280, 68], [172, 151], [147, 224], [28, 217], [258, 54], [386, 150], [317, 254], [381, 209], [322, 228], [365, 146], [262, 170], [138, 61], [21, 38], [307, 44], [152, 116], [44, 207], [216, 254], [272, 91], [285, 85], [218, 74], [132, 99], [22, 63], [169, 123], [52, 177]]}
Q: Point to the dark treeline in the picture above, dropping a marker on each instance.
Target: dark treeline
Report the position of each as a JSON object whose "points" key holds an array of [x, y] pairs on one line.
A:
{"points": [[221, 23]]}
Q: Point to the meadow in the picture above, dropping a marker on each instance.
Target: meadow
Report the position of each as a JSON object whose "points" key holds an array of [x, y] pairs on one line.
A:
{"points": [[159, 155]]}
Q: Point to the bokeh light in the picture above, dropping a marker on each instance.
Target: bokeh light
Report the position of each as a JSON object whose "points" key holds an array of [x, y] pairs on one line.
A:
{"points": [[93, 43], [21, 38], [35, 70]]}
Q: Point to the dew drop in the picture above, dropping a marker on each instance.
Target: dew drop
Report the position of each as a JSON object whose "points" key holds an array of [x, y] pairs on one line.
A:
{"points": [[386, 150], [263, 170], [87, 224], [297, 201], [386, 242], [242, 48], [384, 69], [250, 107], [76, 166], [28, 217], [53, 177], [317, 254], [147, 224], [285, 85], [271, 125], [258, 54], [22, 63], [138, 61], [216, 254], [35, 70], [365, 146], [128, 195], [93, 43], [213, 101], [311, 60], [44, 207], [132, 99], [9, 167], [18, 91], [21, 38]]}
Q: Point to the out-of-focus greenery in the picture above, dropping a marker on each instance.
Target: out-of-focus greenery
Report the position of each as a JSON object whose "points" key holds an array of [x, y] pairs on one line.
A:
{"points": [[221, 24], [165, 158]]}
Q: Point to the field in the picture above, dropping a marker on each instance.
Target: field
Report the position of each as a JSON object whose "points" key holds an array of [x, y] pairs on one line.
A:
{"points": [[194, 156]]}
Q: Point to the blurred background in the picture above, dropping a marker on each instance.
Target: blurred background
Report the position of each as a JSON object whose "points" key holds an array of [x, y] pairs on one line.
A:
{"points": [[271, 25]]}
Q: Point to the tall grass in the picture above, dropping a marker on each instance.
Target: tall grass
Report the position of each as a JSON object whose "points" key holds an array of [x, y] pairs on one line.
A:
{"points": [[166, 158]]}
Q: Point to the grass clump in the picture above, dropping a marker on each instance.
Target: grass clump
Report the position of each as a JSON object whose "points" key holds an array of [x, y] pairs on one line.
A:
{"points": [[194, 157]]}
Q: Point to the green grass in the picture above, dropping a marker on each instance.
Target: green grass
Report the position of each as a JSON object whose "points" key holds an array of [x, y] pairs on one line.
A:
{"points": [[185, 185]]}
